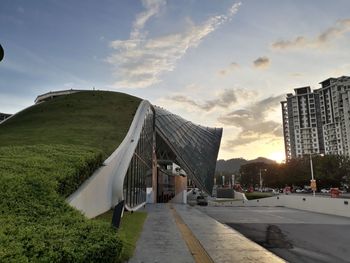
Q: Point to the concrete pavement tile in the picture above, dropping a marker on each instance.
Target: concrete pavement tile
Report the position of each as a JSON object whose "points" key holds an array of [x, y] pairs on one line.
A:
{"points": [[223, 243], [248, 256], [160, 240]]}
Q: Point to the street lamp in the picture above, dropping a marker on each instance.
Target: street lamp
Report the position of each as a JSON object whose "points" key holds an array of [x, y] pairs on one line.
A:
{"points": [[313, 182], [261, 181]]}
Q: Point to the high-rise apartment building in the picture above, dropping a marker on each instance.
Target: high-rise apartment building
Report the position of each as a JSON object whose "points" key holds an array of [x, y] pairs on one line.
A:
{"points": [[318, 122], [302, 123], [334, 99]]}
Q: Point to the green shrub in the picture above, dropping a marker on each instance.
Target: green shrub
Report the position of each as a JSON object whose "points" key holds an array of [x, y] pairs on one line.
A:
{"points": [[36, 223]]}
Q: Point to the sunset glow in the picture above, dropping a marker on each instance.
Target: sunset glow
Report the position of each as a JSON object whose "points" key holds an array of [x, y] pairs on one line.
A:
{"points": [[279, 157]]}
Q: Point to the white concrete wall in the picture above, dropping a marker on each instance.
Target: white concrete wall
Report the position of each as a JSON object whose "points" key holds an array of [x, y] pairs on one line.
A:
{"points": [[325, 205], [149, 195], [240, 196], [104, 189], [180, 198]]}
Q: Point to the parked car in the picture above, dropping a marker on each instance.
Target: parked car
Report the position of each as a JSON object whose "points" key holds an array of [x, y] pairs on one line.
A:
{"points": [[201, 200], [276, 191], [287, 190], [307, 190], [342, 191], [325, 191], [267, 190]]}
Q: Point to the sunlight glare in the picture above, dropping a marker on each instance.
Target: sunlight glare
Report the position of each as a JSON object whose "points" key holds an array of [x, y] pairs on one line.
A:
{"points": [[277, 156]]}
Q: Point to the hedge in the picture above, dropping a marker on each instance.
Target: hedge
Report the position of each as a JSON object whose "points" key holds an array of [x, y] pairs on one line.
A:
{"points": [[36, 223]]}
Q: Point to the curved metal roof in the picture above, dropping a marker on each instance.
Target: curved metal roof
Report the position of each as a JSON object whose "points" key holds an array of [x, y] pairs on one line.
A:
{"points": [[195, 146]]}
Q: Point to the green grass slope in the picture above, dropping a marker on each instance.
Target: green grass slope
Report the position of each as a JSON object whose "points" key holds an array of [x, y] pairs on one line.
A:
{"points": [[98, 119], [46, 152], [130, 230]]}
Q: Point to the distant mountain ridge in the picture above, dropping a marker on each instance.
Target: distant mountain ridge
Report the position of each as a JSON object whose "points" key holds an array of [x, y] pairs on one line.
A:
{"points": [[233, 165]]}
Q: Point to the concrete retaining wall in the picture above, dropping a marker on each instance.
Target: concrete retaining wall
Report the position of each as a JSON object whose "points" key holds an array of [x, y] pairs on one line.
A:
{"points": [[104, 189], [325, 205]]}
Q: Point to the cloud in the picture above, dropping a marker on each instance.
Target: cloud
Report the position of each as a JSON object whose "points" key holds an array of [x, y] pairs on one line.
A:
{"points": [[340, 28], [286, 44], [261, 62], [225, 99], [153, 7], [296, 75], [231, 68], [252, 122], [139, 61]]}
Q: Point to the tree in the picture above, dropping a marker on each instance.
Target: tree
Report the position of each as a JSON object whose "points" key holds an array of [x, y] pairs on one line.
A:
{"points": [[250, 173]]}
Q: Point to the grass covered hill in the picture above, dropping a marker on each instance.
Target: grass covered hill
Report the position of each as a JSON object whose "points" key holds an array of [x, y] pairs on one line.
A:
{"points": [[46, 152], [98, 119]]}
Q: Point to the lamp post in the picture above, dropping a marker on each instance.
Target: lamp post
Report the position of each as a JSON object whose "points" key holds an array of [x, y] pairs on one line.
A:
{"points": [[261, 181], [313, 182]]}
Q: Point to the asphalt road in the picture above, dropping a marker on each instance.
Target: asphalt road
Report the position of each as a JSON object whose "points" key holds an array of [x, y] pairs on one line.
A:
{"points": [[295, 235]]}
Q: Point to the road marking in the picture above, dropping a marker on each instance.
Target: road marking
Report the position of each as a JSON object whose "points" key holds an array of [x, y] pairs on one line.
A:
{"points": [[198, 252]]}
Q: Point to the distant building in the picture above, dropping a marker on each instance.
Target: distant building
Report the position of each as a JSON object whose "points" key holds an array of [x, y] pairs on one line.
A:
{"points": [[53, 94], [319, 121], [302, 126], [4, 116]]}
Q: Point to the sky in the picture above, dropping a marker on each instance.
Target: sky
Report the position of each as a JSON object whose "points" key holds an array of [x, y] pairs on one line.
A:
{"points": [[218, 63]]}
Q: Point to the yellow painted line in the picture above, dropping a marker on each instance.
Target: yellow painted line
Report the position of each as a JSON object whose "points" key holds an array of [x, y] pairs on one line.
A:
{"points": [[198, 252]]}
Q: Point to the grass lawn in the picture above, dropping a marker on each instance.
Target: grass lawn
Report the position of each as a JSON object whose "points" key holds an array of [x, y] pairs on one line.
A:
{"points": [[98, 119], [130, 230], [224, 200], [257, 195], [46, 152]]}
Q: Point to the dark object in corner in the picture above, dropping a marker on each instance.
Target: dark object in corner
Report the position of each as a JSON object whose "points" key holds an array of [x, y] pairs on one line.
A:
{"points": [[1, 53], [117, 214], [201, 200]]}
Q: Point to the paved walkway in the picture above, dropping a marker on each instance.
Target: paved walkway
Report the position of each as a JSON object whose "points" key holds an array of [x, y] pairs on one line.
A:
{"points": [[162, 241]]}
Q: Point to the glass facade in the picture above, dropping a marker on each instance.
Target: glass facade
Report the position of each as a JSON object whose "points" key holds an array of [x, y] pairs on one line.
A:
{"points": [[196, 147], [193, 147], [140, 166]]}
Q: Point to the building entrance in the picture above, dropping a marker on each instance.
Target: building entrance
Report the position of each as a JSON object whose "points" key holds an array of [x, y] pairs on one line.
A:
{"points": [[166, 186]]}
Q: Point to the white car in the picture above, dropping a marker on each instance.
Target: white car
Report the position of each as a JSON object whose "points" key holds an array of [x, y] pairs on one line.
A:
{"points": [[325, 191], [275, 192]]}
